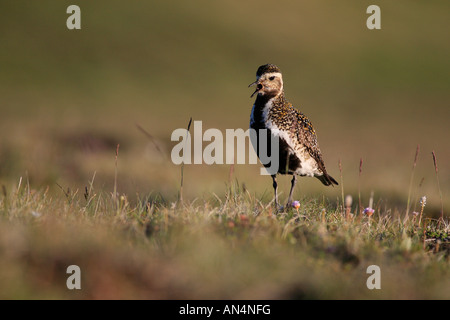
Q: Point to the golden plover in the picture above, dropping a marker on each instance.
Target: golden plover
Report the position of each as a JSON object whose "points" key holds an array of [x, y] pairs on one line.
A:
{"points": [[299, 153]]}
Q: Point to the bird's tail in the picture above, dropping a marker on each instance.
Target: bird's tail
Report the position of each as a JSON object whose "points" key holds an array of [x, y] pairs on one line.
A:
{"points": [[327, 180]]}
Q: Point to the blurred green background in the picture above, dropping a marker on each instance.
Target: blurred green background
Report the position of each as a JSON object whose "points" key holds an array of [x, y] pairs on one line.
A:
{"points": [[68, 97]]}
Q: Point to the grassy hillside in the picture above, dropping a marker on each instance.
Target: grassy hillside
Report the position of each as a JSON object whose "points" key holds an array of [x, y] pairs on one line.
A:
{"points": [[231, 248], [68, 98]]}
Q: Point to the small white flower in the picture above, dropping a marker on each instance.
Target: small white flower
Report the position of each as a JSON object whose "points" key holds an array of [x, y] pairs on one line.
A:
{"points": [[348, 201], [423, 201], [35, 214]]}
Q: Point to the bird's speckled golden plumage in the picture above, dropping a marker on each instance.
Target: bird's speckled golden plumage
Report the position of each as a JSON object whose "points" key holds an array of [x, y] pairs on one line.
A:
{"points": [[299, 152]]}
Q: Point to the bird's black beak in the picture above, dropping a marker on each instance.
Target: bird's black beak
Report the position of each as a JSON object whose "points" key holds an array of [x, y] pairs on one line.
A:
{"points": [[258, 87]]}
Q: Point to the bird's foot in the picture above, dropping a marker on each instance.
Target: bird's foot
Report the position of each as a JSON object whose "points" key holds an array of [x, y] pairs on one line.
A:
{"points": [[279, 208]]}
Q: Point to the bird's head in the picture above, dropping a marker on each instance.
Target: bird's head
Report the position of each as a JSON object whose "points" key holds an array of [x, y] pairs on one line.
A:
{"points": [[269, 81]]}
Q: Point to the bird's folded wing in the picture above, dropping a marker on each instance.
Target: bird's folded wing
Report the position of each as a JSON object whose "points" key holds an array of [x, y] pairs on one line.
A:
{"points": [[306, 136]]}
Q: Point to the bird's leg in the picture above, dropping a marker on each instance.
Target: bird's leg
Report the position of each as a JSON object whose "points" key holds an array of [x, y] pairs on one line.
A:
{"points": [[275, 188], [293, 182]]}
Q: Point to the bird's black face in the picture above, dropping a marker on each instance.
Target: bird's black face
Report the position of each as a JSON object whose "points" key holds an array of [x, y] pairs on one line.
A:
{"points": [[268, 84]]}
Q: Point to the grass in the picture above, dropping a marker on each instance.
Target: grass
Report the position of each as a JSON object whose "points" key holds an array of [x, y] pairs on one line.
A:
{"points": [[213, 248], [69, 99]]}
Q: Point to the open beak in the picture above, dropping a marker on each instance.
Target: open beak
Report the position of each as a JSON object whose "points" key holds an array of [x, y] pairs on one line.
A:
{"points": [[258, 87]]}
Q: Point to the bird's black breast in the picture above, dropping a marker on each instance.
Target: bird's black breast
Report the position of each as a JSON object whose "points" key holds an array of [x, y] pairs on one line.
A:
{"points": [[288, 162]]}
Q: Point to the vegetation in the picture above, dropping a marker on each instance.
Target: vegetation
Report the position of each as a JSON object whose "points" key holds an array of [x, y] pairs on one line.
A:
{"points": [[213, 248], [138, 70]]}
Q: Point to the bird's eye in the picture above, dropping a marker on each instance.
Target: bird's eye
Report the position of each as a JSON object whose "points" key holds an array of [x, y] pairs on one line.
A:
{"points": [[271, 78]]}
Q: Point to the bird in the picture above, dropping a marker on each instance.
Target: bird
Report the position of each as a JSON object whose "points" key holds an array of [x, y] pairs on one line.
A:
{"points": [[298, 149]]}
